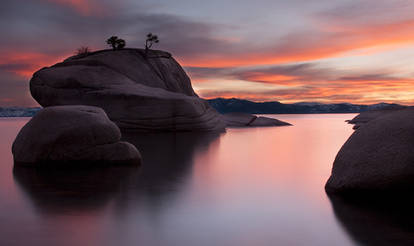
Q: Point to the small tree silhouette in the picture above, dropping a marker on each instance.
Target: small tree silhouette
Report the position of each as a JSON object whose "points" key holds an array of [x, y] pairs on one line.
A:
{"points": [[83, 50], [120, 44], [151, 39], [116, 43], [112, 41]]}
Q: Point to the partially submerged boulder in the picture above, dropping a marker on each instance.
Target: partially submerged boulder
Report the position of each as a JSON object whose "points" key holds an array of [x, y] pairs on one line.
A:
{"points": [[138, 91], [379, 156], [70, 135], [249, 120]]}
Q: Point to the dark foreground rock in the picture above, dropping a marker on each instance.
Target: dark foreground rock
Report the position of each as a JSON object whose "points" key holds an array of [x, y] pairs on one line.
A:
{"points": [[249, 120], [72, 135], [377, 157], [145, 93]]}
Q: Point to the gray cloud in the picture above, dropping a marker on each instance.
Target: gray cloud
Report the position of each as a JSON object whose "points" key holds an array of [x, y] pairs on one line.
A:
{"points": [[367, 13], [370, 77], [301, 71], [50, 28], [14, 67]]}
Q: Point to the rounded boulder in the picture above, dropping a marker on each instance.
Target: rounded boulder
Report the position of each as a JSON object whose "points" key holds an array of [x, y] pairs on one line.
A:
{"points": [[72, 135], [379, 156]]}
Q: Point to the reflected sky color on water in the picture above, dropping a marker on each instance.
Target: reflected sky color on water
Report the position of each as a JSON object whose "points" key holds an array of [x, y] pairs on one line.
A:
{"points": [[257, 186]]}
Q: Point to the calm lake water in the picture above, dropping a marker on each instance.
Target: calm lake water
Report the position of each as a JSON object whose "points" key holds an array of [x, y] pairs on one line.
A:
{"points": [[257, 186]]}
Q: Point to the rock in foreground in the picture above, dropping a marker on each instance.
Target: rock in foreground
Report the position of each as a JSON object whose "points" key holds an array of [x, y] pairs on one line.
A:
{"points": [[144, 93], [69, 135], [378, 156], [249, 120]]}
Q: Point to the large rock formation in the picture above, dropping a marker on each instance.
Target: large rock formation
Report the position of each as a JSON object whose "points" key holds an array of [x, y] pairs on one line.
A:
{"points": [[147, 93], [378, 156], [69, 135]]}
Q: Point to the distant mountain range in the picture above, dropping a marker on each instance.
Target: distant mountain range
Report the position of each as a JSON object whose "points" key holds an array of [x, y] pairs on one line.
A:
{"points": [[18, 112], [244, 106]]}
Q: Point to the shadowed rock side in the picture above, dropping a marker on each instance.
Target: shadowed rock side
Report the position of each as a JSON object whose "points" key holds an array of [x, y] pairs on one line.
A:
{"points": [[385, 220], [246, 120], [367, 116], [377, 157], [72, 135], [143, 93]]}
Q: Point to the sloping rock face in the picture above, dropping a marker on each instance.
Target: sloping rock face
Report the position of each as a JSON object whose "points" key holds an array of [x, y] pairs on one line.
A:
{"points": [[379, 156], [137, 91], [249, 120], [69, 135]]}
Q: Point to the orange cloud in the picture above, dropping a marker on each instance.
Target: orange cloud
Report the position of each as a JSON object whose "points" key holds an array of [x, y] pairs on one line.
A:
{"points": [[271, 78], [337, 91], [25, 64]]}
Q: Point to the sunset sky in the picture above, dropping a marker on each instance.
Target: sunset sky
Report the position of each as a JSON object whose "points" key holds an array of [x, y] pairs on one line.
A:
{"points": [[356, 51]]}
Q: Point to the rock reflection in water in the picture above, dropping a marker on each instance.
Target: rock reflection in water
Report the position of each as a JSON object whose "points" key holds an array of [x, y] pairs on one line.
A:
{"points": [[65, 190], [385, 220], [167, 162]]}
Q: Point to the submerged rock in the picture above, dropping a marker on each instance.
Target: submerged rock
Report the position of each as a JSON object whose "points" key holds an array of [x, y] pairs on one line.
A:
{"points": [[69, 135], [378, 156], [145, 93], [246, 120]]}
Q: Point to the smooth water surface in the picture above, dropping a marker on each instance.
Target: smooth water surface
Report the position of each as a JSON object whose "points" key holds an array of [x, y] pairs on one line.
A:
{"points": [[257, 186]]}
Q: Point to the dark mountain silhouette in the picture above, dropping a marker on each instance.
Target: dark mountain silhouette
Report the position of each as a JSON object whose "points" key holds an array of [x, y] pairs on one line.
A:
{"points": [[223, 105], [244, 106], [17, 111]]}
